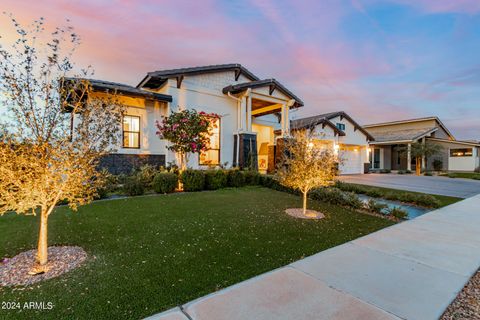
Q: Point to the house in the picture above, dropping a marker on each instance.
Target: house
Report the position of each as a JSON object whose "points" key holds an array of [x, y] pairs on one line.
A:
{"points": [[455, 155], [250, 110], [337, 130]]}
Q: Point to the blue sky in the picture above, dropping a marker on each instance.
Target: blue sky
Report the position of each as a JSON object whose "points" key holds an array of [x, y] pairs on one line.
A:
{"points": [[377, 60]]}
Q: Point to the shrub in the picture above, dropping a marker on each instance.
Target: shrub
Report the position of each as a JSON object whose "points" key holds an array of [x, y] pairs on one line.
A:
{"points": [[352, 200], [110, 183], [252, 178], [374, 193], [437, 165], [477, 177], [452, 175], [428, 174], [385, 171], [401, 171], [235, 178], [375, 206], [146, 173], [134, 186], [398, 213], [330, 195], [408, 171], [165, 182], [193, 180], [215, 179]]}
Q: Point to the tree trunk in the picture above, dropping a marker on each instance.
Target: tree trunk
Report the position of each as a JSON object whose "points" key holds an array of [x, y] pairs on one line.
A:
{"points": [[418, 166], [42, 252], [305, 203], [183, 167]]}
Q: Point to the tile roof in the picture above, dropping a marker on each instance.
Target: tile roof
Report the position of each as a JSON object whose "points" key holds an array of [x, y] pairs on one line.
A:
{"points": [[311, 121], [401, 135], [157, 78], [107, 86], [262, 83]]}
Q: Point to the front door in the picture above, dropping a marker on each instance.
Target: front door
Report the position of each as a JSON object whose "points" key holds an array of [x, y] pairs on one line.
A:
{"points": [[374, 159]]}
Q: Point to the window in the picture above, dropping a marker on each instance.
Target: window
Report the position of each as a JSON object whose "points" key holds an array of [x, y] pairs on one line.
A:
{"points": [[211, 157], [131, 132], [341, 126], [467, 152]]}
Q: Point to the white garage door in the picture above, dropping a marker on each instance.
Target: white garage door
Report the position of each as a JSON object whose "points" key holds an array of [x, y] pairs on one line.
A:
{"points": [[352, 162]]}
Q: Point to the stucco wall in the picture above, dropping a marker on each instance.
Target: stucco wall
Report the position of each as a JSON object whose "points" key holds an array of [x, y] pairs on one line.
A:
{"points": [[454, 163], [204, 93], [149, 111], [440, 133]]}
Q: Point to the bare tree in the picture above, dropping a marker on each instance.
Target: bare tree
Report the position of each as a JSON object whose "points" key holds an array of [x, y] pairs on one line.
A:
{"points": [[304, 165], [41, 160]]}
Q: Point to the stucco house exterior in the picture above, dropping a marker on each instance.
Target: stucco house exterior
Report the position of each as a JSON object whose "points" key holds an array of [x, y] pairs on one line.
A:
{"points": [[455, 155], [337, 130], [250, 110]]}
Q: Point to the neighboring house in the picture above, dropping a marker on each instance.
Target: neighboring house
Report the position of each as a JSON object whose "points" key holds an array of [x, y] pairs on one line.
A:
{"points": [[337, 130], [250, 110], [455, 155]]}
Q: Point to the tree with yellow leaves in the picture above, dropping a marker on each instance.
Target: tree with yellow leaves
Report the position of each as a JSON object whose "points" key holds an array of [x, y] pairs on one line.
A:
{"points": [[304, 165], [46, 156]]}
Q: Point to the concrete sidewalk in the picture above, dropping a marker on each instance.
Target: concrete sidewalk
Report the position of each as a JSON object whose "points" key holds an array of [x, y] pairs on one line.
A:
{"points": [[412, 270]]}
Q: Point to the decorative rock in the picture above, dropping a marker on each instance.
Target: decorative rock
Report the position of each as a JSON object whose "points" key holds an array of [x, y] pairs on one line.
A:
{"points": [[310, 214], [16, 271]]}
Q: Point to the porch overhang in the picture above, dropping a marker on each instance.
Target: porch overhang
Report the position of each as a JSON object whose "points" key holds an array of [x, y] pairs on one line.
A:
{"points": [[272, 85]]}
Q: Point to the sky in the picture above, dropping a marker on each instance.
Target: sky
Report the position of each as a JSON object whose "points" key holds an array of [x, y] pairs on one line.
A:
{"points": [[377, 60]]}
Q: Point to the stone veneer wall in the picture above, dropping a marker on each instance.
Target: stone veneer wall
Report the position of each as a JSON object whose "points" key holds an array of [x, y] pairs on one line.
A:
{"points": [[117, 163]]}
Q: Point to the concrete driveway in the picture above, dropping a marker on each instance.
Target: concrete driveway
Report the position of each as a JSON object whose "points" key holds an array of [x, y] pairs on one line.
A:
{"points": [[461, 188]]}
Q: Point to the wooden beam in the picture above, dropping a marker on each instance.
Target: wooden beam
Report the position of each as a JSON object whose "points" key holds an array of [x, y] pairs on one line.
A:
{"points": [[237, 74], [272, 88], [341, 117], [179, 81], [266, 109], [323, 125]]}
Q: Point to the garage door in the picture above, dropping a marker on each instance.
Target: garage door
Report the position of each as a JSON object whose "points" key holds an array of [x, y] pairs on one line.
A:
{"points": [[352, 162]]}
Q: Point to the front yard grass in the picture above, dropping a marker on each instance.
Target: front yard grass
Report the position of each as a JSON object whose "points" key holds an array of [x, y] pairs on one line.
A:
{"points": [[465, 175], [148, 254], [443, 200]]}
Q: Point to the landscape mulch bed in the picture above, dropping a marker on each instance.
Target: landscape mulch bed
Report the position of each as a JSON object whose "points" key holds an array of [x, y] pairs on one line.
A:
{"points": [[310, 214], [14, 271], [467, 304]]}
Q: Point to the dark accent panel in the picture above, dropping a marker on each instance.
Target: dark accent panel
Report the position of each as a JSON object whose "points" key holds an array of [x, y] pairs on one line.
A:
{"points": [[271, 159], [248, 151], [117, 163], [366, 167], [235, 144], [279, 151]]}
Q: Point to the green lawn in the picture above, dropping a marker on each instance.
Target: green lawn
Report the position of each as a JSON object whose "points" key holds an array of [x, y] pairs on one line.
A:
{"points": [[148, 254], [465, 175], [444, 200]]}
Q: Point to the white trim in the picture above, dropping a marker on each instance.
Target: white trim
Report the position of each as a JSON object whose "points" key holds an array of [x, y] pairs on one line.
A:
{"points": [[455, 141]]}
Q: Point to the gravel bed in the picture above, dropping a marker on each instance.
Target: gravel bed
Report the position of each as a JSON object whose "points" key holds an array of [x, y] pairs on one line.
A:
{"points": [[14, 271], [467, 304], [310, 214]]}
